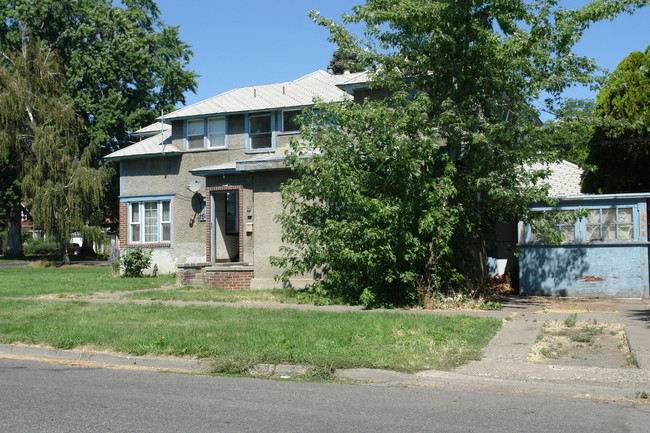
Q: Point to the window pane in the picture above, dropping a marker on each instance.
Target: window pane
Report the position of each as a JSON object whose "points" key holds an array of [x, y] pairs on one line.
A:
{"points": [[135, 233], [262, 141], [609, 216], [232, 226], [289, 120], [217, 124], [568, 232], [593, 232], [166, 232], [260, 123], [594, 216], [151, 222], [609, 232], [166, 214], [194, 127], [217, 140], [625, 215], [625, 231], [195, 142], [135, 212]]}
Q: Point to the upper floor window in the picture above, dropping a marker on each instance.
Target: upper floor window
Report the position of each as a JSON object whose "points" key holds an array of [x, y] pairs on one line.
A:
{"points": [[261, 131], [206, 133], [195, 133], [217, 132], [289, 120]]}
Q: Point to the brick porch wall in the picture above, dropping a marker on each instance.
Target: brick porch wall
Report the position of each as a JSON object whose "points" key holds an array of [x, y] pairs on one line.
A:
{"points": [[229, 280]]}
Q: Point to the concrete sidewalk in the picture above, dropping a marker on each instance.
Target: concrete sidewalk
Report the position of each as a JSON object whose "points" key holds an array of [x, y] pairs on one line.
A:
{"points": [[503, 368]]}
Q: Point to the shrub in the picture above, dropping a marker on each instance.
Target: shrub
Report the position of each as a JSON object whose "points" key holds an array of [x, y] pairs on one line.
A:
{"points": [[135, 261], [37, 247]]}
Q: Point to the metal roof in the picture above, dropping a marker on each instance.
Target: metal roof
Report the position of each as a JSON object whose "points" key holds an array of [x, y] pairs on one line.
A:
{"points": [[564, 179], [154, 128], [297, 93], [157, 145]]}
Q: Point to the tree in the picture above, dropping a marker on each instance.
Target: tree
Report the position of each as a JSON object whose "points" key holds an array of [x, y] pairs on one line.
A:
{"points": [[342, 61], [479, 68], [620, 147], [39, 144], [122, 66]]}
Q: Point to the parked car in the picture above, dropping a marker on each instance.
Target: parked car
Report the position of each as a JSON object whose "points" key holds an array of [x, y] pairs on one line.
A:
{"points": [[73, 249]]}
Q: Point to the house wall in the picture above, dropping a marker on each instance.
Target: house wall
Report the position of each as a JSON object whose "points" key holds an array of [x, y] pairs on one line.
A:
{"points": [[262, 235]]}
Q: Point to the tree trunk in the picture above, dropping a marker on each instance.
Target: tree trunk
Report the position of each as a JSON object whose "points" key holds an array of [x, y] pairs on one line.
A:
{"points": [[66, 258], [14, 238]]}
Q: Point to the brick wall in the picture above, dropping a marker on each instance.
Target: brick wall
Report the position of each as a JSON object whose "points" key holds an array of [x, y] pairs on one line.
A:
{"points": [[185, 274], [123, 230], [229, 280]]}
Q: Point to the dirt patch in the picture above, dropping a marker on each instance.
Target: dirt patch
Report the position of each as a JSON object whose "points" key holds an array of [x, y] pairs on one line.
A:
{"points": [[582, 344], [577, 305]]}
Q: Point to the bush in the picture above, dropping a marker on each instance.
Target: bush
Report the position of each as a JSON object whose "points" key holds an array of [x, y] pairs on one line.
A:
{"points": [[135, 261], [37, 247]]}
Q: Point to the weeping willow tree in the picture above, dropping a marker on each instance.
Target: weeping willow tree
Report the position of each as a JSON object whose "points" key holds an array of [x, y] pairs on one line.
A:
{"points": [[39, 147]]}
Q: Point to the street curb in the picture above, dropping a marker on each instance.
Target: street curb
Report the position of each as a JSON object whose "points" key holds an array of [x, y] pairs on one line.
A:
{"points": [[636, 337], [103, 358]]}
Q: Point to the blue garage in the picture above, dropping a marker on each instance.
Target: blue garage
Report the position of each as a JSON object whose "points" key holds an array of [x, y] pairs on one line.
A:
{"points": [[604, 253]]}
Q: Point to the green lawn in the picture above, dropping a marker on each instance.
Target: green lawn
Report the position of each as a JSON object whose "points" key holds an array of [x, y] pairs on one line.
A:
{"points": [[211, 294], [67, 281], [235, 338]]}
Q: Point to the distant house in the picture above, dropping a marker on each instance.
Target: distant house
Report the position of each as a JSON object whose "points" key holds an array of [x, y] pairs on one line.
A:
{"points": [[202, 189]]}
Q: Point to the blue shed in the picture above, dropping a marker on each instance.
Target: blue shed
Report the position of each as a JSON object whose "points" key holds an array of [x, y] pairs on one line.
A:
{"points": [[604, 254]]}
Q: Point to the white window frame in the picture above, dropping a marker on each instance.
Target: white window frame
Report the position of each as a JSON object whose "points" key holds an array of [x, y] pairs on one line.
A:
{"points": [[249, 139], [142, 225], [201, 134], [282, 126], [205, 134], [210, 133]]}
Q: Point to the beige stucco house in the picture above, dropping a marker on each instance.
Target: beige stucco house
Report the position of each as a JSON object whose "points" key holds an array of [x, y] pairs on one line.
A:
{"points": [[202, 187]]}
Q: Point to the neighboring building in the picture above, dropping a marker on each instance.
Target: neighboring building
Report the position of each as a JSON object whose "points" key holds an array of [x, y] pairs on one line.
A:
{"points": [[564, 180], [603, 254], [202, 189]]}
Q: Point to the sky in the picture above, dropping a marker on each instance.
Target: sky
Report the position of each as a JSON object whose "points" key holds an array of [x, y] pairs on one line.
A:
{"points": [[244, 43]]}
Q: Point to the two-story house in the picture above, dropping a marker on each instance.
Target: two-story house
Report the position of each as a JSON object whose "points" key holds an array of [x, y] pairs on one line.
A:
{"points": [[202, 188]]}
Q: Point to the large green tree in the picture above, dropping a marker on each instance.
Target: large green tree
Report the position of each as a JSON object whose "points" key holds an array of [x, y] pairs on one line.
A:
{"points": [[620, 147], [39, 145], [122, 66], [458, 161]]}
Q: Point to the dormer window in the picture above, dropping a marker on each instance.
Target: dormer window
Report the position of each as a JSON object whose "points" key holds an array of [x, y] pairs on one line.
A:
{"points": [[195, 133], [217, 133], [261, 132], [206, 134], [289, 120]]}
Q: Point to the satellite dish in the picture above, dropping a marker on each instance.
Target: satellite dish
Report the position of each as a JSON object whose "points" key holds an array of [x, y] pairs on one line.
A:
{"points": [[195, 185]]}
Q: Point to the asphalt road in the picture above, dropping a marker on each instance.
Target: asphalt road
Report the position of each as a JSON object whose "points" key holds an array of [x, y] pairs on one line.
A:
{"points": [[42, 397]]}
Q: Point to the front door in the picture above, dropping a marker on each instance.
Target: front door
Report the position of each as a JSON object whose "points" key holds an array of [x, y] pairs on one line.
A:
{"points": [[225, 223]]}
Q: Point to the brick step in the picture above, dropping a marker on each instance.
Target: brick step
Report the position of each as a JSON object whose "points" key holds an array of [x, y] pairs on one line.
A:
{"points": [[196, 282]]}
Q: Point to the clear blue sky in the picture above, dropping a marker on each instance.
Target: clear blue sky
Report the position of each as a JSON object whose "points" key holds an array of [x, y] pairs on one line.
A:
{"points": [[243, 43]]}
